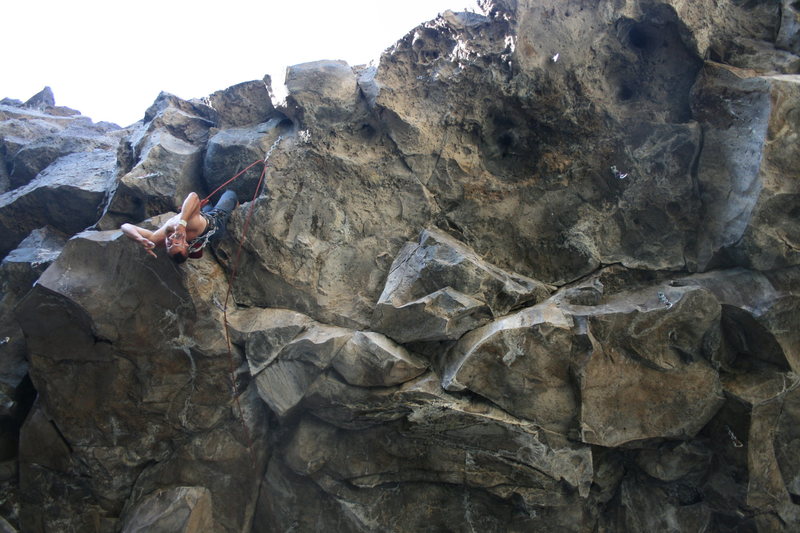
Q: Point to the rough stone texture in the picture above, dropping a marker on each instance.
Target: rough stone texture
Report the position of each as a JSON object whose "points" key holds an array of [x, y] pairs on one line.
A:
{"points": [[243, 104], [371, 360], [159, 162], [614, 368], [535, 271], [325, 92], [18, 271], [179, 510], [759, 309], [170, 362], [230, 151], [67, 195], [438, 289], [747, 173], [650, 374], [35, 134], [457, 455]]}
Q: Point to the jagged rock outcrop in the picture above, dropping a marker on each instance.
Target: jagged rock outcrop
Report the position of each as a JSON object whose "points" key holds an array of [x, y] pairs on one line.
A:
{"points": [[35, 134], [171, 366], [66, 196], [536, 270], [438, 289]]}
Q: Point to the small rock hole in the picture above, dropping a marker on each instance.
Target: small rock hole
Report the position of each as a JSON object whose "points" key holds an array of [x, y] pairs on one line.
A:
{"points": [[638, 38], [626, 92]]}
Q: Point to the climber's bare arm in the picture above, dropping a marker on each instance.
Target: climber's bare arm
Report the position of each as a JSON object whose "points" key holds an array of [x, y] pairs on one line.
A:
{"points": [[190, 207], [190, 213], [146, 238]]}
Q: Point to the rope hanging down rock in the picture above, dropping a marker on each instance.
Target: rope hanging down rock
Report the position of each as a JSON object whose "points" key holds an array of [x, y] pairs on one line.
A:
{"points": [[232, 278]]}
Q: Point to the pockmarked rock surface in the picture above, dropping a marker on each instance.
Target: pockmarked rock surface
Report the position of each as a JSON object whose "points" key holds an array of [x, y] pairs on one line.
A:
{"points": [[535, 270]]}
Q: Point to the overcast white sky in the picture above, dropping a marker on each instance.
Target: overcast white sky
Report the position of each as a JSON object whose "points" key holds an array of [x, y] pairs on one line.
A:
{"points": [[110, 59]]}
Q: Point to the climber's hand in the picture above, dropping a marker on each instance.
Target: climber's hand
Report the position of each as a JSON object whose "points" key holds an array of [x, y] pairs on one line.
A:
{"points": [[148, 246]]}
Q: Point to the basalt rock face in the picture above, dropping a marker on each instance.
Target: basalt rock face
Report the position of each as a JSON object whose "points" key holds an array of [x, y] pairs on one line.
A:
{"points": [[536, 270]]}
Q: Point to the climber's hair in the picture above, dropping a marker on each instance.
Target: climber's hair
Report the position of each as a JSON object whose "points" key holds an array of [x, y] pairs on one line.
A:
{"points": [[178, 258]]}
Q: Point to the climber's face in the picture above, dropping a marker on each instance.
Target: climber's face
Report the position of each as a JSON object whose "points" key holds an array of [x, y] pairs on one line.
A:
{"points": [[177, 245]]}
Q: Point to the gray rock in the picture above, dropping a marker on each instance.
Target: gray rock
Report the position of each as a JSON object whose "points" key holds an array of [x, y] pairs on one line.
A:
{"points": [[757, 310], [230, 151], [743, 168], [656, 353], [751, 437], [160, 161], [67, 196], [170, 361], [42, 99], [584, 294], [438, 289], [636, 157], [179, 509], [33, 157], [790, 27], [243, 104], [671, 462], [645, 506], [324, 91], [529, 363], [371, 360], [187, 119], [324, 248], [473, 444], [18, 272], [34, 134], [286, 352], [522, 363]]}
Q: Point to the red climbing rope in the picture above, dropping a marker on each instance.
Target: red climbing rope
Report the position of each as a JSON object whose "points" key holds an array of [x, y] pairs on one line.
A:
{"points": [[205, 200], [231, 279]]}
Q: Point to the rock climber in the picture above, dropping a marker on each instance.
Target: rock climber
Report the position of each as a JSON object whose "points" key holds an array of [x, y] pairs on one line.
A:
{"points": [[187, 233]]}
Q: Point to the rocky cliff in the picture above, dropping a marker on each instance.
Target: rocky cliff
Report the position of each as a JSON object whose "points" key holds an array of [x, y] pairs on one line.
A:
{"points": [[539, 270]]}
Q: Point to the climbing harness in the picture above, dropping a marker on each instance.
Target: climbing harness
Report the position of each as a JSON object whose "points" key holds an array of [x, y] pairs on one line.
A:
{"points": [[197, 244], [232, 278]]}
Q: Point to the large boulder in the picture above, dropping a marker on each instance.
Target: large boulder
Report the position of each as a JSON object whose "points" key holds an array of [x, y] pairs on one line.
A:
{"points": [[178, 510], [437, 448], [18, 272], [287, 352], [322, 92], [754, 438], [651, 373], [67, 195], [746, 170], [230, 151], [243, 104], [324, 234], [36, 133], [636, 367], [758, 311], [162, 349], [572, 207], [438, 289]]}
